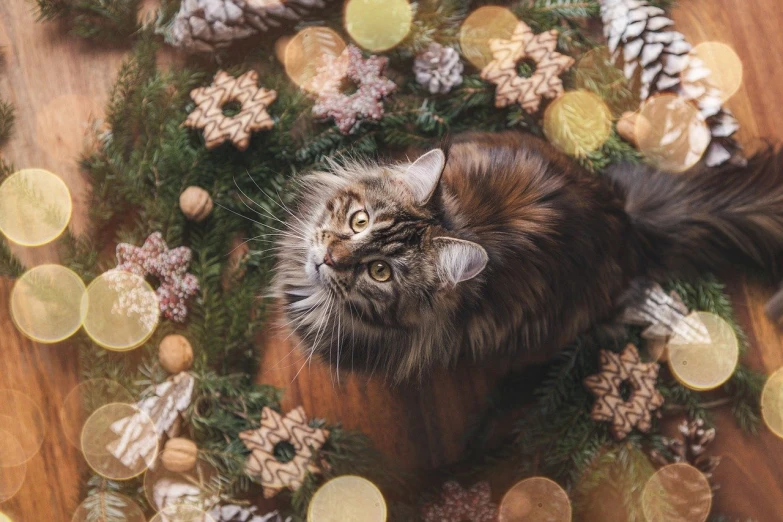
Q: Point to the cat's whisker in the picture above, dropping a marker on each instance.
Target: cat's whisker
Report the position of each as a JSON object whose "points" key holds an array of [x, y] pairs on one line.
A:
{"points": [[277, 230], [266, 212], [321, 323]]}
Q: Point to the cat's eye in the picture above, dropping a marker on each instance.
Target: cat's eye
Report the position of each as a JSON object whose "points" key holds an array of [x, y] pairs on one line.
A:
{"points": [[380, 271], [359, 221]]}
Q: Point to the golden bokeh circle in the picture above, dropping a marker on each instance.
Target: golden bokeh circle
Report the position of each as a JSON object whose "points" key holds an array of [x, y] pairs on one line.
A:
{"points": [[46, 303], [4, 517], [22, 418], [12, 475], [35, 207], [482, 25], [671, 133], [182, 513], [578, 123], [347, 498], [195, 487], [704, 366], [122, 430], [126, 509], [596, 71], [724, 64], [378, 25], [772, 403], [535, 499], [677, 493], [83, 400], [122, 310], [305, 53]]}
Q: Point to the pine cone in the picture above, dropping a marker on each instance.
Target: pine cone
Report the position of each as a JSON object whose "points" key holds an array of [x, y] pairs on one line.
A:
{"points": [[233, 513], [642, 35], [691, 448], [207, 25], [438, 68]]}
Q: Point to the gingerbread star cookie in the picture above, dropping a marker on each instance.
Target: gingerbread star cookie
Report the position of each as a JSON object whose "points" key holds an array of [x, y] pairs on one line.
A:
{"points": [[272, 472], [219, 127], [625, 412], [545, 81]]}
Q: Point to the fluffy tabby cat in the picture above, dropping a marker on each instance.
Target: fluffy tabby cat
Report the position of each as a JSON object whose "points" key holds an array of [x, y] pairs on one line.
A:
{"points": [[502, 245]]}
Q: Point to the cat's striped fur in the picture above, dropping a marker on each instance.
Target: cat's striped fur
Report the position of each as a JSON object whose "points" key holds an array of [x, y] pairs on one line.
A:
{"points": [[512, 248]]}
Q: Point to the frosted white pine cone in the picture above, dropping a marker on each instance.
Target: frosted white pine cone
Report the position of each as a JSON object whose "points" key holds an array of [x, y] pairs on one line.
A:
{"points": [[207, 25], [438, 68]]}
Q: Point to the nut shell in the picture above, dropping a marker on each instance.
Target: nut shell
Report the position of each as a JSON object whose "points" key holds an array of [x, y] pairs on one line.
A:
{"points": [[195, 203], [175, 353], [179, 455]]}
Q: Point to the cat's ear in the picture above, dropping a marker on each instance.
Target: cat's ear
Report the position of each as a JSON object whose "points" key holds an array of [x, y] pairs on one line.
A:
{"points": [[423, 175], [459, 260]]}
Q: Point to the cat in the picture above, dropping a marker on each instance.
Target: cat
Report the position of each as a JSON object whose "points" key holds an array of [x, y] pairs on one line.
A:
{"points": [[501, 244]]}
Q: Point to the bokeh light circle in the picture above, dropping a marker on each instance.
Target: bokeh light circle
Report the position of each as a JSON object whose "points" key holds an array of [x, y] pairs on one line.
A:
{"points": [[119, 430], [83, 400], [12, 475], [378, 25], [198, 487], [596, 71], [122, 310], [4, 517], [125, 509], [704, 366], [182, 513], [482, 25], [46, 303], [305, 53], [535, 499], [772, 403], [22, 418], [35, 207], [671, 133], [347, 498], [578, 123], [725, 68], [677, 493]]}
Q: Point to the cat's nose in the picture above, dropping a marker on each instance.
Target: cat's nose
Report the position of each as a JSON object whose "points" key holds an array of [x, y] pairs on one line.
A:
{"points": [[328, 261]]}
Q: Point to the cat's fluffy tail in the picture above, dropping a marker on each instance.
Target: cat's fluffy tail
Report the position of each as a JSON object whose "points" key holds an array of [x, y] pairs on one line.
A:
{"points": [[714, 219]]}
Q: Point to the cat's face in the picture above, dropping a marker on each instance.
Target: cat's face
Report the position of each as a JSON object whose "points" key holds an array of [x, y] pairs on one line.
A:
{"points": [[366, 253]]}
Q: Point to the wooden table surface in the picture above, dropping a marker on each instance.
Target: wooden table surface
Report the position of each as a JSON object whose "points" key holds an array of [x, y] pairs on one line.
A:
{"points": [[59, 85]]}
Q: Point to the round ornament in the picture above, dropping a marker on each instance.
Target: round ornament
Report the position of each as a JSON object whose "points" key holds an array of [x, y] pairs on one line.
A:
{"points": [[179, 455], [704, 366], [535, 499], [12, 475], [724, 66], [677, 493], [306, 52], [84, 399], [347, 499], [175, 353], [677, 136], [195, 487], [378, 25], [47, 303], [484, 24], [119, 441], [35, 207], [578, 123], [122, 310], [23, 420], [120, 506], [772, 403], [195, 203]]}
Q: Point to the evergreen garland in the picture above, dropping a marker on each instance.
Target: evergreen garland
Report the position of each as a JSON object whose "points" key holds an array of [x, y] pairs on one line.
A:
{"points": [[147, 158]]}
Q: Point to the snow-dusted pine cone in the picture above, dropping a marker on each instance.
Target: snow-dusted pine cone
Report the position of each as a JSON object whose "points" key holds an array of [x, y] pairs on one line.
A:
{"points": [[438, 68], [232, 513], [643, 36], [207, 25], [691, 448]]}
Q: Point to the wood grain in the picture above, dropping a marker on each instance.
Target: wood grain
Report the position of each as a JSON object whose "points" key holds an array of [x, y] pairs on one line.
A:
{"points": [[60, 85]]}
